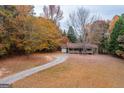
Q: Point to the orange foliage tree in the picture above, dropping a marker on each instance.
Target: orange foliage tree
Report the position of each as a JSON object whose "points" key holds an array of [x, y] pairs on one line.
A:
{"points": [[25, 33]]}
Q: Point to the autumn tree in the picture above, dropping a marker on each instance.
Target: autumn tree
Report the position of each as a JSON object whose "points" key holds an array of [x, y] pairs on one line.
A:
{"points": [[99, 31], [112, 23], [64, 38], [99, 28], [16, 26], [6, 13], [22, 32], [4, 45], [36, 34]]}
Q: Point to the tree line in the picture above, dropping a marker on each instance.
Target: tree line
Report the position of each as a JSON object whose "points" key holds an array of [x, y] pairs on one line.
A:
{"points": [[23, 33]]}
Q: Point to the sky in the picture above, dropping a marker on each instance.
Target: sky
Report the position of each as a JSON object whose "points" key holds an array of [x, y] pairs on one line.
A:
{"points": [[104, 11]]}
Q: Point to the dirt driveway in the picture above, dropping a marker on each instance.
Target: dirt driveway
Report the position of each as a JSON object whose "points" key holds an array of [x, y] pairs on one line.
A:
{"points": [[80, 71]]}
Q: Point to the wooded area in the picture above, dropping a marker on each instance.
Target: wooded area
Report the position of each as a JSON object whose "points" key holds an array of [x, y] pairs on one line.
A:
{"points": [[21, 32]]}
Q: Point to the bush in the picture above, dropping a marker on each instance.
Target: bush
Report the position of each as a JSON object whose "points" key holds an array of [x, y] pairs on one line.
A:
{"points": [[120, 53]]}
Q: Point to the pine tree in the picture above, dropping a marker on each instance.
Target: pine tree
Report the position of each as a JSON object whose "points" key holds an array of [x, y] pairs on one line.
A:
{"points": [[71, 35], [64, 33]]}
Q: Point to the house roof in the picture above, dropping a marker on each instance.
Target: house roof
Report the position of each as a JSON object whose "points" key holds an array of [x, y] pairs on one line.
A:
{"points": [[79, 45], [74, 45]]}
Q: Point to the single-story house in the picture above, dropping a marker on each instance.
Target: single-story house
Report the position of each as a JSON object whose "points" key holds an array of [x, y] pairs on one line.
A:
{"points": [[79, 48]]}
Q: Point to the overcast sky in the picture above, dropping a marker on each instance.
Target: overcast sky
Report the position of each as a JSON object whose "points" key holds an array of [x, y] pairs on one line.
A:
{"points": [[105, 11]]}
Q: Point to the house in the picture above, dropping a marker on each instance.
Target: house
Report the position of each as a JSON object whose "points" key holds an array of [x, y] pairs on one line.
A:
{"points": [[79, 48]]}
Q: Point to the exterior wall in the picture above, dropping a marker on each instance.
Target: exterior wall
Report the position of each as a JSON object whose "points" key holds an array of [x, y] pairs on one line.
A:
{"points": [[74, 51], [81, 51], [77, 48], [64, 50]]}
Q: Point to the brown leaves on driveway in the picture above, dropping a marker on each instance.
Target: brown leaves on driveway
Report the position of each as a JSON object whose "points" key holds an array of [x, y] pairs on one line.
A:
{"points": [[79, 71], [16, 64]]}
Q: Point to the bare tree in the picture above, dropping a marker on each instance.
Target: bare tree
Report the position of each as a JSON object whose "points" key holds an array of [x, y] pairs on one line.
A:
{"points": [[78, 19], [45, 10], [25, 10], [53, 12]]}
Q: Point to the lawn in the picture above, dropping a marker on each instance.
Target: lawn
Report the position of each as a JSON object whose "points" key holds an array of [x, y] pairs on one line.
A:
{"points": [[16, 64], [79, 71]]}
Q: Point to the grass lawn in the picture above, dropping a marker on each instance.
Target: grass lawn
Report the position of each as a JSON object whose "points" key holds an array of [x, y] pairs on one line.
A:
{"points": [[79, 71], [16, 64]]}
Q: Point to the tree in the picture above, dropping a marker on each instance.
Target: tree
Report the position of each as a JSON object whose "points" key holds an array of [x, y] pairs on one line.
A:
{"points": [[4, 45], [121, 44], [53, 12], [7, 10], [99, 34], [112, 23], [64, 33], [6, 13], [78, 20], [71, 35], [22, 32], [64, 38], [15, 26], [98, 30], [24, 10], [36, 34], [114, 42]]}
